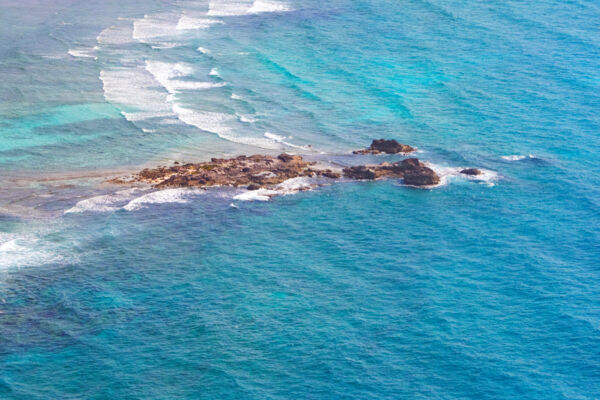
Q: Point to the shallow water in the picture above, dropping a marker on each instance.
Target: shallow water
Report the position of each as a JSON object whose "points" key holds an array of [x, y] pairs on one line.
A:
{"points": [[475, 289]]}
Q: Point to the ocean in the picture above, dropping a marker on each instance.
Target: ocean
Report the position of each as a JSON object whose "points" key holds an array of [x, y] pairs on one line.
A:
{"points": [[479, 288]]}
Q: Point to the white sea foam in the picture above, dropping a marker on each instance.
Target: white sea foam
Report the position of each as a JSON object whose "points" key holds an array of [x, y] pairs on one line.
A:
{"points": [[167, 45], [261, 6], [224, 8], [166, 74], [152, 27], [214, 72], [274, 137], [203, 50], [447, 174], [245, 119], [189, 23], [115, 35], [25, 251], [134, 90], [282, 140], [518, 157], [294, 185], [162, 197], [236, 97], [104, 203], [220, 124], [82, 53], [288, 187], [256, 195]]}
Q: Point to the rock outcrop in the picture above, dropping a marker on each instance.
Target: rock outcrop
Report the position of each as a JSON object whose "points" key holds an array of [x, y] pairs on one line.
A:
{"points": [[386, 146], [471, 171], [413, 171], [254, 172], [360, 172], [262, 171]]}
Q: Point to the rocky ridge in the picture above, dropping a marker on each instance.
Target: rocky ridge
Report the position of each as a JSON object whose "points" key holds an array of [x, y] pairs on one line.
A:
{"points": [[264, 171]]}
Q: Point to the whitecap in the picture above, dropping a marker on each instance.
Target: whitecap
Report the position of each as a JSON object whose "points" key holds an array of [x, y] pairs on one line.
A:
{"points": [[223, 8], [179, 195], [203, 50], [282, 140], [25, 251], [256, 195], [167, 45], [214, 72], [447, 173], [81, 53], [236, 97], [189, 23], [166, 73], [263, 6], [134, 90], [245, 119], [149, 28], [287, 187], [104, 203], [518, 157], [220, 124], [115, 35]]}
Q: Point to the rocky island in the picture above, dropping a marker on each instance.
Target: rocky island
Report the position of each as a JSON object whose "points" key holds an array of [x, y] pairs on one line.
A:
{"points": [[264, 171]]}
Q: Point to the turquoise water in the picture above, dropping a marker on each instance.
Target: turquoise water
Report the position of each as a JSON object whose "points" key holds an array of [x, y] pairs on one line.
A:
{"points": [[482, 289]]}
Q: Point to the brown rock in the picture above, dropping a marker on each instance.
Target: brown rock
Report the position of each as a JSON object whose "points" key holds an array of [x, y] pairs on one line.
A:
{"points": [[390, 146], [386, 146], [423, 176], [285, 157], [258, 171], [359, 172], [331, 174]]}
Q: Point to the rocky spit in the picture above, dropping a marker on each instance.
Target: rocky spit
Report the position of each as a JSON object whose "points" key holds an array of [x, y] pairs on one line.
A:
{"points": [[264, 171]]}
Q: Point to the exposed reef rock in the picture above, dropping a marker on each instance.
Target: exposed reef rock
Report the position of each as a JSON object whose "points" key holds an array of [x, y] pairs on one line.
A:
{"points": [[264, 172], [413, 171], [471, 171], [386, 146], [254, 172]]}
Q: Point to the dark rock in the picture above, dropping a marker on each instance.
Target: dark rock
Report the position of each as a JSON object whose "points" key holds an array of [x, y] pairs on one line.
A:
{"points": [[471, 171], [253, 186], [386, 146], [406, 165], [423, 176], [359, 172], [285, 157], [331, 174], [390, 146]]}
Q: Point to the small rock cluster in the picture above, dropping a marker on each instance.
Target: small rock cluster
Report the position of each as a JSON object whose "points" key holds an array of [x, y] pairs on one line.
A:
{"points": [[379, 146], [413, 171]]}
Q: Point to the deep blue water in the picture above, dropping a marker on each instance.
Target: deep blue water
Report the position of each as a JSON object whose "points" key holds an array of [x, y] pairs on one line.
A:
{"points": [[476, 289]]}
